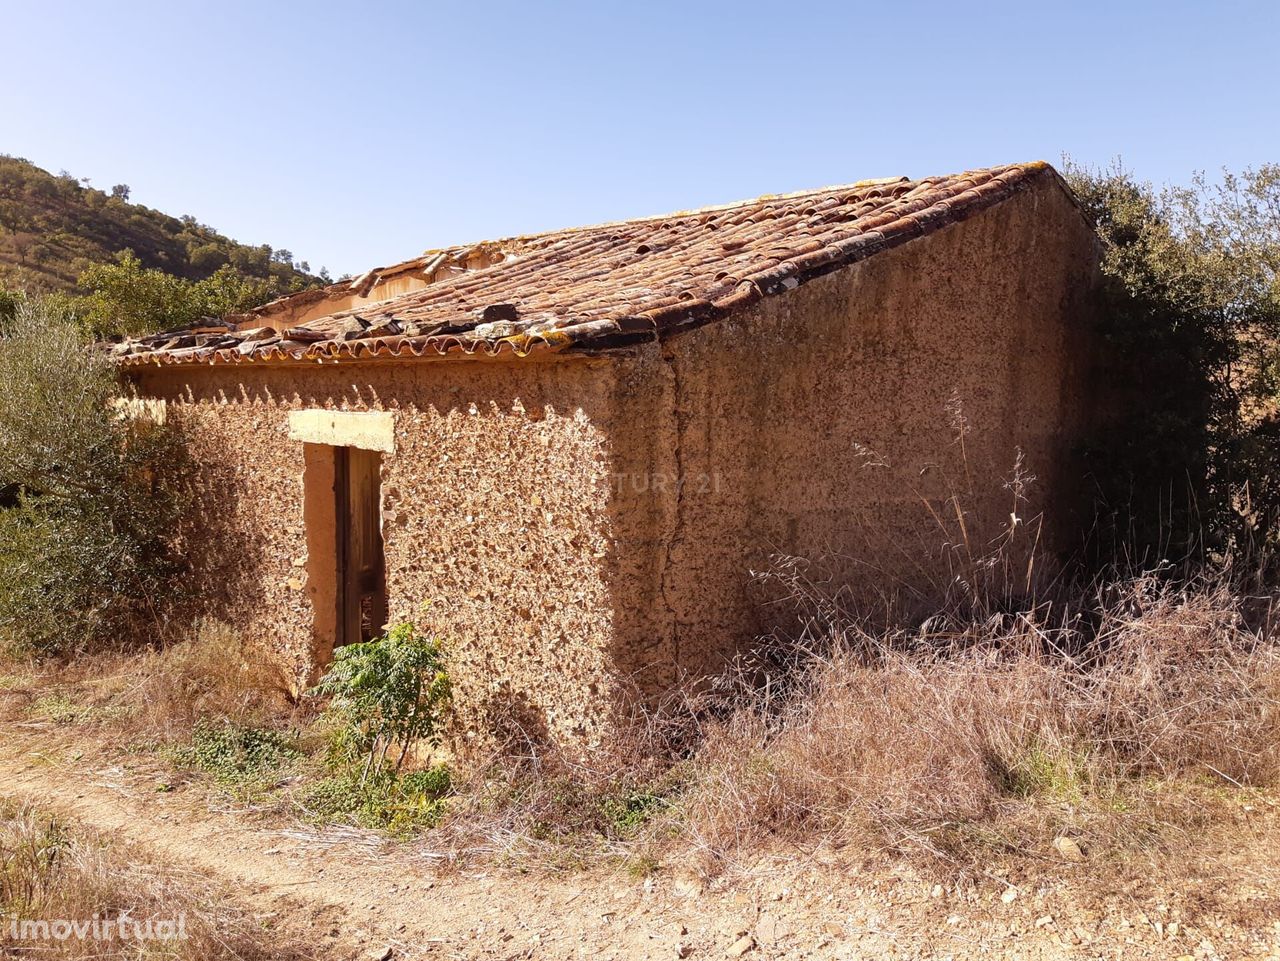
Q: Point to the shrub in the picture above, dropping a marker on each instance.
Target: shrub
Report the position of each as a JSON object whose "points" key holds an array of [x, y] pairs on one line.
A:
{"points": [[9, 301], [1191, 330], [387, 693], [88, 496]]}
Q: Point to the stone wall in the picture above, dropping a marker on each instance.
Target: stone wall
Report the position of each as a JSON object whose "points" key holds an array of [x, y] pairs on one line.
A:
{"points": [[494, 512]]}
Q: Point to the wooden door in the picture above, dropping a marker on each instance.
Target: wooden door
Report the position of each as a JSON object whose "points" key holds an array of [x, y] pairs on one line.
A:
{"points": [[362, 591]]}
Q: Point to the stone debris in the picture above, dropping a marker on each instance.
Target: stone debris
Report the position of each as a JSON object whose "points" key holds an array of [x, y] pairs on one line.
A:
{"points": [[1068, 848]]}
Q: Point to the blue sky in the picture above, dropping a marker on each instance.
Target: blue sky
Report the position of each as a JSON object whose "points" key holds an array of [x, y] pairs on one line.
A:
{"points": [[359, 134]]}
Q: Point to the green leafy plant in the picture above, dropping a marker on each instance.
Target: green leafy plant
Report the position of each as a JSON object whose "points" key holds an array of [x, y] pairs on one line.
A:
{"points": [[400, 804], [244, 759], [630, 810], [63, 709], [388, 693]]}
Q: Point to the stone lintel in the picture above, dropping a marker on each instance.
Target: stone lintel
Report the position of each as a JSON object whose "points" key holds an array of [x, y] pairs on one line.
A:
{"points": [[368, 430]]}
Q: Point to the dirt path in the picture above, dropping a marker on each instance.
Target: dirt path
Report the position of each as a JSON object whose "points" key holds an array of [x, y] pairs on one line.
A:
{"points": [[357, 897], [353, 896], [361, 898]]}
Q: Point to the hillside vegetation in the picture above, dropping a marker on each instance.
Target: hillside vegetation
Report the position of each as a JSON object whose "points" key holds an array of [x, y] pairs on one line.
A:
{"points": [[54, 227]]}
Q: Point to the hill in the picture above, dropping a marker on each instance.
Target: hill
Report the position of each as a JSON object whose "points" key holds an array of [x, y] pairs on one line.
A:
{"points": [[52, 227]]}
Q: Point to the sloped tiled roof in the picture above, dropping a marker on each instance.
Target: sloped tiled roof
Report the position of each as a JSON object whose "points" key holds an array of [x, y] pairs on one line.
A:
{"points": [[594, 288]]}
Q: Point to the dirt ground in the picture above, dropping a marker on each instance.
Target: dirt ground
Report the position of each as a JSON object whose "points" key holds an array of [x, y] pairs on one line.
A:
{"points": [[349, 894]]}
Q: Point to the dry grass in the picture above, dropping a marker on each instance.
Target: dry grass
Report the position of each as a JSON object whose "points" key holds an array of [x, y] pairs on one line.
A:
{"points": [[531, 800], [150, 696], [209, 676], [957, 739], [50, 871], [1124, 718], [1135, 720]]}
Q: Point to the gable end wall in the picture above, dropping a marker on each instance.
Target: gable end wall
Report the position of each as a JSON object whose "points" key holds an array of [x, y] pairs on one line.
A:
{"points": [[759, 433]]}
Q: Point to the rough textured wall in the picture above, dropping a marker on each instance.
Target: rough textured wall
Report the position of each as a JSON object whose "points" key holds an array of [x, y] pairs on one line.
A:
{"points": [[494, 512], [759, 433]]}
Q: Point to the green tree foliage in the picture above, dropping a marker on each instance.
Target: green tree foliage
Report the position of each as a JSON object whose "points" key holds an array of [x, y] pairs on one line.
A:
{"points": [[1192, 330], [88, 494], [209, 257], [127, 298]]}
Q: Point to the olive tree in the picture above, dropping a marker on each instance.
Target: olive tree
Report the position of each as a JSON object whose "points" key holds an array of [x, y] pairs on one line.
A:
{"points": [[89, 493]]}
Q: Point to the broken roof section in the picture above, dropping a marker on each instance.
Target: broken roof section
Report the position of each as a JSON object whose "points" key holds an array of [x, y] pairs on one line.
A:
{"points": [[589, 289]]}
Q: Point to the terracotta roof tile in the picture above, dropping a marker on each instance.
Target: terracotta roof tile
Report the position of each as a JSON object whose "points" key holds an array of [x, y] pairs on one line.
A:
{"points": [[593, 288]]}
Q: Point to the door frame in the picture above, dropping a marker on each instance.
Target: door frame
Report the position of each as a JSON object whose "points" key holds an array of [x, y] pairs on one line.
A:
{"points": [[362, 601]]}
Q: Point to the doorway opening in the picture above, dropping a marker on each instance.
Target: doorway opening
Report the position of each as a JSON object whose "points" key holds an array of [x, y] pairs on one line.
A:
{"points": [[361, 570], [346, 576]]}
